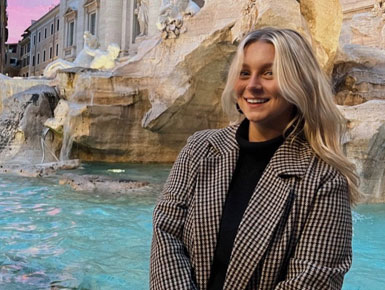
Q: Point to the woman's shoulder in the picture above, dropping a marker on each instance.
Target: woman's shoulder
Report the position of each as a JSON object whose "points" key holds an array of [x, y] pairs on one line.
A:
{"points": [[326, 173], [208, 135]]}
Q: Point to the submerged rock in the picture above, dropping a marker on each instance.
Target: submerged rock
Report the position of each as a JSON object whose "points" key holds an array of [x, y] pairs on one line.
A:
{"points": [[101, 184], [38, 170]]}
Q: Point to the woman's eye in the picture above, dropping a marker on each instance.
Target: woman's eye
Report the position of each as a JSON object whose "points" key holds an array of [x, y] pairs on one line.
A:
{"points": [[243, 73], [268, 73]]}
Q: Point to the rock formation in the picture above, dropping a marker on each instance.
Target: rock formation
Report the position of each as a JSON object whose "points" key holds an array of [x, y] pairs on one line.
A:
{"points": [[359, 74], [365, 146], [101, 184], [147, 107], [11, 86], [359, 81], [38, 170], [22, 133]]}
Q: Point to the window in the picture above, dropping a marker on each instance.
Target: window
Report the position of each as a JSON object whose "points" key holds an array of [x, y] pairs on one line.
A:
{"points": [[71, 31], [33, 60], [38, 58], [43, 55], [92, 23], [13, 61], [27, 60], [50, 53], [57, 25], [39, 36], [12, 49], [45, 32], [52, 29], [28, 47], [34, 39], [21, 50], [57, 49]]}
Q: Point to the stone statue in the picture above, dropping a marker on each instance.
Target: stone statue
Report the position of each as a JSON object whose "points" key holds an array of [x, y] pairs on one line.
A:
{"points": [[83, 59], [104, 60], [171, 15], [89, 57], [142, 15]]}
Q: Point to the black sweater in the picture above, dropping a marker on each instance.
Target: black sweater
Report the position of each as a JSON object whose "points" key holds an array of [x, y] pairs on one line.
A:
{"points": [[253, 158]]}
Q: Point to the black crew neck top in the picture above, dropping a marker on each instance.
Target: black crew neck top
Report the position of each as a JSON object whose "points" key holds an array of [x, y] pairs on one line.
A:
{"points": [[252, 161]]}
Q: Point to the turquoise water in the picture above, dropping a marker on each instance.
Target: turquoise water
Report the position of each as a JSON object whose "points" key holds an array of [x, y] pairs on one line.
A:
{"points": [[52, 236], [368, 269]]}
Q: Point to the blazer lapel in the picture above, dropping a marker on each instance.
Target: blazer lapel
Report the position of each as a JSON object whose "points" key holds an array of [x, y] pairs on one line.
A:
{"points": [[255, 232], [270, 202], [212, 185]]}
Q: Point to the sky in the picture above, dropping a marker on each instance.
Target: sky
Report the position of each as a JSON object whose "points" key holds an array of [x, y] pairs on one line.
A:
{"points": [[21, 12]]}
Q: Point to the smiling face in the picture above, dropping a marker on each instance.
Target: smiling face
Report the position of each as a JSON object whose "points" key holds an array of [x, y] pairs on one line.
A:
{"points": [[258, 93]]}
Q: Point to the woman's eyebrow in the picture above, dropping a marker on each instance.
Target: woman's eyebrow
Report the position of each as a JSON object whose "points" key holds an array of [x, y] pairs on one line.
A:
{"points": [[264, 66]]}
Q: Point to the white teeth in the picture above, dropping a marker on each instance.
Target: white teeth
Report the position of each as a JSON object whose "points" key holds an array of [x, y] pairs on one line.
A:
{"points": [[256, 101]]}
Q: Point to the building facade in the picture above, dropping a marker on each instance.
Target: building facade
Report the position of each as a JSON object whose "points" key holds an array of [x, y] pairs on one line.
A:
{"points": [[3, 33], [25, 54], [44, 41], [11, 60], [59, 33], [109, 21]]}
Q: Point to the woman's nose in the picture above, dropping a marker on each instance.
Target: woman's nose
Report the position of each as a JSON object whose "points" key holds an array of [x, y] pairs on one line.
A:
{"points": [[254, 83]]}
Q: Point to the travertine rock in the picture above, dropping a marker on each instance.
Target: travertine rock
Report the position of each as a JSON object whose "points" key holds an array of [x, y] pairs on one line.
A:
{"points": [[22, 133], [102, 184], [12, 86], [145, 110], [359, 74], [365, 146], [324, 19], [38, 170]]}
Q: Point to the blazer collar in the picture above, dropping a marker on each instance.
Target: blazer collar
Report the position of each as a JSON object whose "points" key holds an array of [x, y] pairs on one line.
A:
{"points": [[291, 159]]}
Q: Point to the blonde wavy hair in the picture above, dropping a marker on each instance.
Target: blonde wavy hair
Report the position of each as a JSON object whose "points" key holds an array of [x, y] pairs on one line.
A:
{"points": [[303, 84]]}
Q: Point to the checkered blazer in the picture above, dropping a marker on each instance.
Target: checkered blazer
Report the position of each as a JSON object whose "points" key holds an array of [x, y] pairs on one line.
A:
{"points": [[295, 233]]}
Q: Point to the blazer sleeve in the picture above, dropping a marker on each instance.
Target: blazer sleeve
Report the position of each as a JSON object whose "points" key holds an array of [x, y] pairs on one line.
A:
{"points": [[170, 267], [323, 253]]}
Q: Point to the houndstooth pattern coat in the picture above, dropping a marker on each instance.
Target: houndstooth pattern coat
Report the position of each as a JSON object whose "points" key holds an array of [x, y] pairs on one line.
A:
{"points": [[295, 233]]}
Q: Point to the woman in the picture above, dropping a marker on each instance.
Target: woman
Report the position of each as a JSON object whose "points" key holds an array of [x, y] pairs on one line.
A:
{"points": [[264, 204]]}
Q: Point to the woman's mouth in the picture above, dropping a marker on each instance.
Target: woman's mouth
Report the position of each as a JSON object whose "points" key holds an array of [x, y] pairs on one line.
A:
{"points": [[256, 101]]}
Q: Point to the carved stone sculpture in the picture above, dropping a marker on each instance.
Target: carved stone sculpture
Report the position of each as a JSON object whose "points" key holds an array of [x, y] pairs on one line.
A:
{"points": [[142, 15], [89, 57], [104, 60], [171, 15], [83, 59]]}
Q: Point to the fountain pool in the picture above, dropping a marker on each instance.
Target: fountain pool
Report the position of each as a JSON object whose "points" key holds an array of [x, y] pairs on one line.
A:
{"points": [[54, 238]]}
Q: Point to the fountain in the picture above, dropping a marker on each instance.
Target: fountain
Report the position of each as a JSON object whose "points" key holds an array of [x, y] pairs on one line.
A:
{"points": [[144, 109]]}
